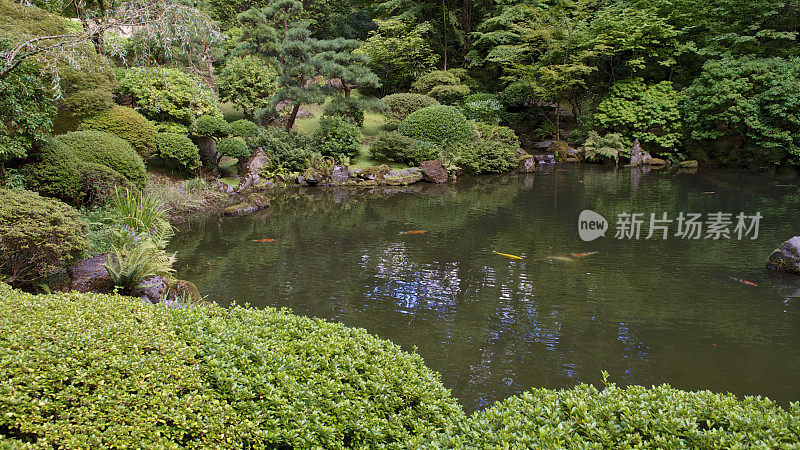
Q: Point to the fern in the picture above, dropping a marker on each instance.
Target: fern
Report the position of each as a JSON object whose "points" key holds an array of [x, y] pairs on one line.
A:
{"points": [[131, 264]]}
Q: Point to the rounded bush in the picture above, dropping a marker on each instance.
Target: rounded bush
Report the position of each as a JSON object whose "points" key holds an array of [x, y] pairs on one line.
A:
{"points": [[243, 128], [402, 105], [91, 370], [98, 183], [104, 148], [337, 138], [234, 147], [178, 150], [493, 150], [391, 146], [38, 236], [210, 126], [171, 127], [127, 124], [54, 172], [517, 97], [633, 417], [442, 125]]}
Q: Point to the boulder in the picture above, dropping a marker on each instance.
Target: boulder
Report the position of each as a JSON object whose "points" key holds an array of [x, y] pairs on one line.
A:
{"points": [[636, 154], [560, 148], [184, 292], [254, 164], [340, 174], [254, 202], [311, 177], [572, 160], [433, 171], [657, 162], [545, 158], [404, 180], [374, 173], [787, 257], [152, 289], [527, 164], [91, 275], [691, 164]]}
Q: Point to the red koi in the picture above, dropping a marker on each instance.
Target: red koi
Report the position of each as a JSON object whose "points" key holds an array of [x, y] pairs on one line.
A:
{"points": [[263, 240], [414, 232], [749, 283]]}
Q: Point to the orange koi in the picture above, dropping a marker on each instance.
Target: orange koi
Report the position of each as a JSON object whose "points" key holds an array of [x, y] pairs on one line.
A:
{"points": [[263, 240], [414, 232], [749, 283], [715, 345], [507, 255], [581, 255]]}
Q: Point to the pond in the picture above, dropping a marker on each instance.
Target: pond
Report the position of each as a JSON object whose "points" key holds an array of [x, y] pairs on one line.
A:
{"points": [[695, 313]]}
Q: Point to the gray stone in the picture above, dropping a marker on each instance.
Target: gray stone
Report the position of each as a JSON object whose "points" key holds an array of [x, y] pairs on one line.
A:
{"points": [[787, 257], [527, 164], [545, 158], [153, 288], [254, 164], [91, 275], [340, 174], [433, 171], [637, 158]]}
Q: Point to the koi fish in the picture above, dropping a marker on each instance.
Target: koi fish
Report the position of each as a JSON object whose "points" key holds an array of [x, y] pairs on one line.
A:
{"points": [[581, 255], [709, 192], [263, 240], [715, 345], [564, 258], [414, 232], [507, 255], [749, 283]]}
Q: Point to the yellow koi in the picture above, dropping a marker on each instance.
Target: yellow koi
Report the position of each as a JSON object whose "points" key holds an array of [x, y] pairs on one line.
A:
{"points": [[507, 255]]}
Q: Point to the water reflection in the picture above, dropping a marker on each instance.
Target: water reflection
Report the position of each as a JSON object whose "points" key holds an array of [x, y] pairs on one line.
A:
{"points": [[646, 311]]}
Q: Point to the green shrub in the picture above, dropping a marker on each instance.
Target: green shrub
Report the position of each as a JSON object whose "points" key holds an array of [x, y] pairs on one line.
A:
{"points": [[337, 138], [38, 236], [442, 125], [130, 264], [98, 184], [443, 85], [286, 149], [482, 107], [178, 151], [493, 150], [210, 126], [170, 95], [234, 147], [402, 105], [142, 213], [348, 108], [54, 171], [606, 148], [518, 97], [243, 128], [424, 151], [391, 146], [88, 88], [171, 127], [450, 95], [90, 370], [633, 417], [104, 148], [127, 124]]}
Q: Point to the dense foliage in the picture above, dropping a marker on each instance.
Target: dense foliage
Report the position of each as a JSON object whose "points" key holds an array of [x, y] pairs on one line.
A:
{"points": [[402, 105], [337, 138], [53, 171], [38, 236], [233, 147], [441, 125], [104, 148], [286, 149], [163, 94], [493, 149], [249, 82], [633, 417], [178, 151], [483, 108], [127, 124], [226, 377], [391, 146]]}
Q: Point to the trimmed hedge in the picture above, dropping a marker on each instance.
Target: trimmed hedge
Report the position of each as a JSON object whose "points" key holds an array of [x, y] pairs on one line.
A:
{"points": [[393, 146], [442, 125], [210, 126], [54, 172], [178, 150], [90, 370], [127, 124], [633, 417], [243, 128], [98, 183], [286, 149], [233, 147], [402, 105], [105, 148], [38, 236]]}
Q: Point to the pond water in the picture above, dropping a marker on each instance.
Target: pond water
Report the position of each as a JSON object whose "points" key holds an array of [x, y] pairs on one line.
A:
{"points": [[647, 311]]}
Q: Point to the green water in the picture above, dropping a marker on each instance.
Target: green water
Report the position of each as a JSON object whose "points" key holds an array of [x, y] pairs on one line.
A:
{"points": [[647, 311]]}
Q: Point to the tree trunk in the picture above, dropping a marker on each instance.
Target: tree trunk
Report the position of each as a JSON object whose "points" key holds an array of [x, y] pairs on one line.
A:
{"points": [[346, 89], [290, 122]]}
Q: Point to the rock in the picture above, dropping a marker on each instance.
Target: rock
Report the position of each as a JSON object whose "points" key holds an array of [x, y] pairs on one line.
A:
{"points": [[248, 181], [636, 154], [657, 163], [545, 158], [340, 174], [254, 202], [258, 200], [433, 171], [691, 164], [90, 275], [254, 164], [561, 149], [153, 288], [222, 187], [527, 164], [404, 180], [368, 183], [184, 292], [374, 173], [207, 147], [310, 177], [572, 160], [787, 257], [352, 182]]}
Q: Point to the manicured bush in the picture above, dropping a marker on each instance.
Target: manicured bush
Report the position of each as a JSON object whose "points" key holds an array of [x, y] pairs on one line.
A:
{"points": [[178, 150], [38, 236], [233, 147], [518, 97], [347, 108], [127, 124], [243, 128], [210, 126], [444, 85], [171, 127], [286, 149], [492, 150], [402, 105], [98, 183], [104, 148], [337, 138], [54, 172], [391, 146], [90, 370], [171, 95], [442, 125], [633, 417], [482, 107]]}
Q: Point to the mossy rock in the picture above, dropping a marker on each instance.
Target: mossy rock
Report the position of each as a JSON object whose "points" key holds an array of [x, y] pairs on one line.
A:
{"points": [[185, 292], [255, 202], [404, 181], [374, 172]]}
